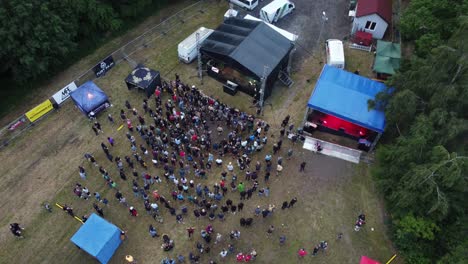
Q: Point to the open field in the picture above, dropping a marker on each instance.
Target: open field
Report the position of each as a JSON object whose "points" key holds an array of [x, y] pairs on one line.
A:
{"points": [[42, 166]]}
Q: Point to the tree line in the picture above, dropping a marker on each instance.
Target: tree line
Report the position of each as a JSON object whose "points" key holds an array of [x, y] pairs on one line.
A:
{"points": [[39, 36], [422, 165]]}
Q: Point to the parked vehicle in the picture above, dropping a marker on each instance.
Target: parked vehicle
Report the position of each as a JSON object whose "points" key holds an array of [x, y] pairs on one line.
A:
{"points": [[187, 49], [335, 53], [246, 4], [275, 10]]}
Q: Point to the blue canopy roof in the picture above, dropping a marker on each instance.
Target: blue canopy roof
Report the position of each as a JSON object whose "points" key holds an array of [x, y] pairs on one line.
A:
{"points": [[88, 97], [98, 237], [345, 95]]}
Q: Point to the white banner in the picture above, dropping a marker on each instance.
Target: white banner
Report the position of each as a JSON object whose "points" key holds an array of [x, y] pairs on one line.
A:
{"points": [[64, 94]]}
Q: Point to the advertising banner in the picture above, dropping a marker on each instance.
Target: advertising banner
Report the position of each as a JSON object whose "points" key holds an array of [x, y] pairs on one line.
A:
{"points": [[39, 110], [104, 66], [64, 94]]}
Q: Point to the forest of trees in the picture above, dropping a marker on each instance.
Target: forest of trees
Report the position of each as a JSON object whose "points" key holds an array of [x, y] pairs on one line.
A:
{"points": [[39, 37], [422, 165]]}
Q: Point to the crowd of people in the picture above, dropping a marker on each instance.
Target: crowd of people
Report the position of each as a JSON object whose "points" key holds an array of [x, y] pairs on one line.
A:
{"points": [[183, 139]]}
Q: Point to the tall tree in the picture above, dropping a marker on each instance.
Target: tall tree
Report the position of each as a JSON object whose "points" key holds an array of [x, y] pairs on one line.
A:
{"points": [[422, 167], [35, 35], [430, 23]]}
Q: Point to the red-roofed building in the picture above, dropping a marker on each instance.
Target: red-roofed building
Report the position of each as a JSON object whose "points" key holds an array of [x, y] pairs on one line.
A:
{"points": [[373, 16]]}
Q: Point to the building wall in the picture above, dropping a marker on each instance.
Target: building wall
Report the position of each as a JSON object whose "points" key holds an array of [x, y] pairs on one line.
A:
{"points": [[359, 24]]}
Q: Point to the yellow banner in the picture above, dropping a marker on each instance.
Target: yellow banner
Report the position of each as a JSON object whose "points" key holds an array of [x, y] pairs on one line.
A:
{"points": [[39, 110]]}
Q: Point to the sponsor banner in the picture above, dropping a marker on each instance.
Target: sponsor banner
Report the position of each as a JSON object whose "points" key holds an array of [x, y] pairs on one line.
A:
{"points": [[39, 110], [64, 94], [104, 66]]}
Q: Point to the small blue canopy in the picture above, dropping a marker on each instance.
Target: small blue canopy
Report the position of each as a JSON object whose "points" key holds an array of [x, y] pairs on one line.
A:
{"points": [[88, 97], [98, 237], [345, 95]]}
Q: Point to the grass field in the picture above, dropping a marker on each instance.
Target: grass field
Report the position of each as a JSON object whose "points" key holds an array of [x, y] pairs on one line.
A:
{"points": [[42, 166]]}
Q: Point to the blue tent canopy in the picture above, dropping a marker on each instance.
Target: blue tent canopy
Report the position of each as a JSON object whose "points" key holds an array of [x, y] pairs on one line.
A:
{"points": [[89, 97], [98, 237], [345, 95]]}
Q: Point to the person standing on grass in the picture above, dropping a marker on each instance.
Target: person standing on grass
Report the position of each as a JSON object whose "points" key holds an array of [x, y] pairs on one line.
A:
{"points": [[95, 130], [270, 230], [90, 158], [133, 211], [241, 187], [292, 202], [290, 152], [98, 210], [82, 172], [240, 206], [303, 164], [282, 240], [316, 249], [97, 125], [110, 118], [279, 169], [190, 231], [152, 231], [16, 229], [302, 252], [111, 141]]}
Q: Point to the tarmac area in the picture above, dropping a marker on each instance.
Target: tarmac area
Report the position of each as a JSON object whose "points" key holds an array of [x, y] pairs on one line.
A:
{"points": [[306, 21]]}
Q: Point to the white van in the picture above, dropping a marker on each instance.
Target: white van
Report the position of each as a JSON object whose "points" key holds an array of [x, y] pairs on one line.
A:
{"points": [[247, 4], [275, 10], [187, 49], [335, 53]]}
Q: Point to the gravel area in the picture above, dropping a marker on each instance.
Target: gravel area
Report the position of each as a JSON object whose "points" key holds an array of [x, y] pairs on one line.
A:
{"points": [[306, 21]]}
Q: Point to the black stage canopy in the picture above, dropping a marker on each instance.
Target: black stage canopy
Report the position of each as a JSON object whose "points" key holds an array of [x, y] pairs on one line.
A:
{"points": [[252, 44], [143, 78]]}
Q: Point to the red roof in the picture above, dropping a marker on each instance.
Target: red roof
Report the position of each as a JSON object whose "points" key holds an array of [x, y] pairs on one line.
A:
{"points": [[383, 8], [367, 260]]}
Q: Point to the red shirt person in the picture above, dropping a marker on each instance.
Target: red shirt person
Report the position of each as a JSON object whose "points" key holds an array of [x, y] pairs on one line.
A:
{"points": [[133, 211]]}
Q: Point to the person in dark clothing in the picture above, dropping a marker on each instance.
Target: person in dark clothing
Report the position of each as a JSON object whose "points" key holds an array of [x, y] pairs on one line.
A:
{"points": [[98, 210], [242, 221], [196, 213], [249, 193], [316, 249], [242, 195], [292, 202], [118, 195], [285, 205], [303, 164], [122, 175], [267, 176], [15, 229], [240, 206], [224, 208]]}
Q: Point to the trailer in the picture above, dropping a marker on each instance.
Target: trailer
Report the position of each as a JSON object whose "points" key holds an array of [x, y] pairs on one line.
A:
{"points": [[335, 53], [275, 10], [187, 49]]}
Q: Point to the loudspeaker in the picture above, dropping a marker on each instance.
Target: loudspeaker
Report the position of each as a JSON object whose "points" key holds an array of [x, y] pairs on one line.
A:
{"points": [[229, 89]]}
